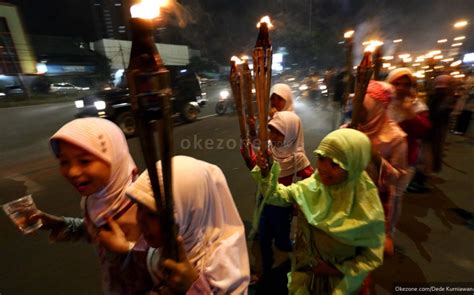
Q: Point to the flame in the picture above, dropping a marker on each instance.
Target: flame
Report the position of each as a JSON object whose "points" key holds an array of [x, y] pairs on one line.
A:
{"points": [[244, 58], [373, 44], [348, 34], [235, 59], [265, 19], [147, 9]]}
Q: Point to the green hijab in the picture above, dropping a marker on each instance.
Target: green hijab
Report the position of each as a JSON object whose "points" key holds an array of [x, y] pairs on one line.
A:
{"points": [[351, 211]]}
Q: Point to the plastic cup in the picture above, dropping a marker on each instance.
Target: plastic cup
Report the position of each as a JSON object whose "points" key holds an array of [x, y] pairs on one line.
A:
{"points": [[20, 211]]}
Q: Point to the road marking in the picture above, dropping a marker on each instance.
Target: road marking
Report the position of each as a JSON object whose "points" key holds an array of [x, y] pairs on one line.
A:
{"points": [[208, 116]]}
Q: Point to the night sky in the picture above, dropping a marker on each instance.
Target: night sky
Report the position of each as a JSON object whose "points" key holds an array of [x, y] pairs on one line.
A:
{"points": [[230, 23]]}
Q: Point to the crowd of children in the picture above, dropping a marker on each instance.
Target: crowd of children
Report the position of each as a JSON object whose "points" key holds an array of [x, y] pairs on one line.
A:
{"points": [[346, 210]]}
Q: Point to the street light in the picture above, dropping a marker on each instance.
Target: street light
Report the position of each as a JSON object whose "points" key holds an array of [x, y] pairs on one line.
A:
{"points": [[460, 24], [459, 38], [397, 40], [442, 40]]}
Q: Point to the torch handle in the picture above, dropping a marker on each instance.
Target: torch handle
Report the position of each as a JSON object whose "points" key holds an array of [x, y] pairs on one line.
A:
{"points": [[146, 121], [262, 75], [363, 79], [247, 93]]}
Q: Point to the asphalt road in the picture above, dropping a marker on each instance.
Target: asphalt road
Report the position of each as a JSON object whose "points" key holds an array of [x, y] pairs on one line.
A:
{"points": [[434, 243]]}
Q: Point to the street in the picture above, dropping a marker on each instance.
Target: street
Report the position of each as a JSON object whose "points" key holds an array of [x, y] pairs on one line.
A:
{"points": [[434, 243]]}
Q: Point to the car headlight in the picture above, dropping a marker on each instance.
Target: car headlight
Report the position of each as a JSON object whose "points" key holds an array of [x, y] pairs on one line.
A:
{"points": [[79, 103], [100, 105], [303, 87], [224, 94]]}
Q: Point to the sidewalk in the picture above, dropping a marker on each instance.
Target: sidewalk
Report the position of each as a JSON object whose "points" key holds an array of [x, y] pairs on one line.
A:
{"points": [[434, 240]]}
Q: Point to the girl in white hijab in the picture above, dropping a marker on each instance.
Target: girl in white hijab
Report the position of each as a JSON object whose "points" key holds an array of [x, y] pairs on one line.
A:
{"points": [[94, 157], [281, 98], [212, 233]]}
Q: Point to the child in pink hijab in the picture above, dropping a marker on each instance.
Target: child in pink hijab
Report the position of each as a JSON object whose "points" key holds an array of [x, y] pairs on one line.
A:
{"points": [[94, 157], [412, 116], [281, 98], [389, 148]]}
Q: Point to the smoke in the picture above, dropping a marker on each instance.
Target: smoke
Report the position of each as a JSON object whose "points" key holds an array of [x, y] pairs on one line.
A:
{"points": [[178, 14]]}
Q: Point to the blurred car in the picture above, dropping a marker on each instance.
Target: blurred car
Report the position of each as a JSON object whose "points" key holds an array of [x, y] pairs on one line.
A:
{"points": [[12, 90], [114, 104], [65, 87]]}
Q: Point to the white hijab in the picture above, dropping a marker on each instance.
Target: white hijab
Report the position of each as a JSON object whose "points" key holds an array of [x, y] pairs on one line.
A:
{"points": [[395, 110], [212, 231], [284, 91], [106, 141], [291, 154]]}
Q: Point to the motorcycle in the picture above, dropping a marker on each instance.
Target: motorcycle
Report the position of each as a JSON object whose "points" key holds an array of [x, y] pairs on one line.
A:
{"points": [[225, 103]]}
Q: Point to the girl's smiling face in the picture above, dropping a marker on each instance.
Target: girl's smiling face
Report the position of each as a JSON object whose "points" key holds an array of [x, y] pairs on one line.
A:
{"points": [[330, 172], [85, 171]]}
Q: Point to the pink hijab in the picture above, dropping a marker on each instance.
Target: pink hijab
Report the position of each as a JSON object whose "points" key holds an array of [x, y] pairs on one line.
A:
{"points": [[284, 91], [378, 127], [106, 141], [291, 156]]}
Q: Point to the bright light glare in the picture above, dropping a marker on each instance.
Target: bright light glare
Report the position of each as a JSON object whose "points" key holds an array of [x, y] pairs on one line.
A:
{"points": [[373, 45], [459, 38], [303, 87], [442, 40], [79, 104], [456, 63], [147, 9], [41, 68], [348, 34], [100, 105], [224, 94], [265, 19], [456, 44], [460, 24], [397, 40], [236, 60]]}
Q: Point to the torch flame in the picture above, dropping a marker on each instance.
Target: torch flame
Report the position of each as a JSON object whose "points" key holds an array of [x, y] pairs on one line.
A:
{"points": [[147, 9], [265, 19], [348, 34], [373, 45], [235, 59]]}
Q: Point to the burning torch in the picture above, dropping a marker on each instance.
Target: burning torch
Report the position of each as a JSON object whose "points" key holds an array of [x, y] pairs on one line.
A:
{"points": [[348, 36], [150, 91], [236, 80], [262, 69], [247, 84], [364, 74]]}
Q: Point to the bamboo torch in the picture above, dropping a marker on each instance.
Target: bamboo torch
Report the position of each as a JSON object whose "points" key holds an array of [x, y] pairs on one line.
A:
{"points": [[364, 74], [236, 80], [348, 36], [262, 69], [150, 92], [248, 97]]}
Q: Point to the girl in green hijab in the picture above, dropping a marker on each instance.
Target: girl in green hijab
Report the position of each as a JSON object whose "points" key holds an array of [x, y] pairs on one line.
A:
{"points": [[340, 231]]}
